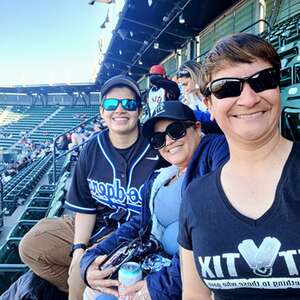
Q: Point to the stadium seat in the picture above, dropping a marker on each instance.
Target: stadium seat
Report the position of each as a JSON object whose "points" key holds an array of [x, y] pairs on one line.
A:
{"points": [[290, 117], [11, 266], [290, 124], [36, 213], [21, 228]]}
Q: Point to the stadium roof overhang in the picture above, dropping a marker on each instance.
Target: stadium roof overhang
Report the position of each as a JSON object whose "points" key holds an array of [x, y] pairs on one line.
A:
{"points": [[140, 26], [51, 89]]}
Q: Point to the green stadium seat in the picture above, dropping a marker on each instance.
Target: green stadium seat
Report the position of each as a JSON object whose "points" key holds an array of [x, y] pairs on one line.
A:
{"points": [[35, 202], [11, 266], [21, 228], [290, 117], [36, 213], [297, 71], [290, 124], [289, 55]]}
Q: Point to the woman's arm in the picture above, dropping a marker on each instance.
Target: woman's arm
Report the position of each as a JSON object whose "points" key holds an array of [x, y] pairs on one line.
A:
{"points": [[192, 286]]}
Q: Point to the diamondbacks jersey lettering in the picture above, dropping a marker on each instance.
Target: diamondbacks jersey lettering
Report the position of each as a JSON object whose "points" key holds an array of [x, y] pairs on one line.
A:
{"points": [[113, 193], [238, 257], [106, 184]]}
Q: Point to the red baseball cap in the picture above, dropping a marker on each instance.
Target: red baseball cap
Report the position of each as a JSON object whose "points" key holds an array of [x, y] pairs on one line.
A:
{"points": [[157, 69]]}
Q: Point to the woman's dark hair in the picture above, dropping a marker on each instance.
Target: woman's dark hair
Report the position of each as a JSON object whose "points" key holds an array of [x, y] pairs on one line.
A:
{"points": [[233, 49]]}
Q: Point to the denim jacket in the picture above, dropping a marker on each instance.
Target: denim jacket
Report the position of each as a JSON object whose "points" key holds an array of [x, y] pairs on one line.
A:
{"points": [[165, 284]]}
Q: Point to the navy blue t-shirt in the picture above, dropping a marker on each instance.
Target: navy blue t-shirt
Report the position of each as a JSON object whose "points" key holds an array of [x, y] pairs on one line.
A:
{"points": [[238, 257]]}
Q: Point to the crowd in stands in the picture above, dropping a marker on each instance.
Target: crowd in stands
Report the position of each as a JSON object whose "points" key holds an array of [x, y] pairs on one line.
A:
{"points": [[12, 169], [197, 207], [31, 150]]}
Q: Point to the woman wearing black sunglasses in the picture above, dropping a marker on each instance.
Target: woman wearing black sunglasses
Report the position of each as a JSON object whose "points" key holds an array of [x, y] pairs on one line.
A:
{"points": [[188, 77], [242, 236], [175, 133]]}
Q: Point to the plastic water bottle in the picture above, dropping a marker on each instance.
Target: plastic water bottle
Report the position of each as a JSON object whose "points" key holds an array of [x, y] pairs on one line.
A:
{"points": [[129, 274]]}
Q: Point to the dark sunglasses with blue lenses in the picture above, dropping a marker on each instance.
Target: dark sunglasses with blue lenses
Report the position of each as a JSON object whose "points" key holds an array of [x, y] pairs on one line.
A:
{"points": [[175, 131], [232, 87], [111, 104]]}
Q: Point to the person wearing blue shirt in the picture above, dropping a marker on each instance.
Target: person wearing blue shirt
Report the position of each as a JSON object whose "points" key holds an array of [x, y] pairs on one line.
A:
{"points": [[175, 132]]}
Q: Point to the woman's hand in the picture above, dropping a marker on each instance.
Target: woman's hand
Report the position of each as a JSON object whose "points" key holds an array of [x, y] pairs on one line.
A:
{"points": [[138, 291], [97, 278]]}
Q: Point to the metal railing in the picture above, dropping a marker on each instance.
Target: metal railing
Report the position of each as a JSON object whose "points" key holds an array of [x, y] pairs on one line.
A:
{"points": [[258, 21]]}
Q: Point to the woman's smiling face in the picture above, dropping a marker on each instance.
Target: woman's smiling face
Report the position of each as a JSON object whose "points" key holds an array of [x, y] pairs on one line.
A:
{"points": [[179, 152], [251, 116]]}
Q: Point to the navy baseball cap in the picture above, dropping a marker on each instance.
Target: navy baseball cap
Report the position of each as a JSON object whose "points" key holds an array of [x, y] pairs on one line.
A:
{"points": [[172, 110], [120, 80]]}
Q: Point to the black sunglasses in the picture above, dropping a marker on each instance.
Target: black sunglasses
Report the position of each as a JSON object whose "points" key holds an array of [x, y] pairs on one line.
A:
{"points": [[111, 104], [183, 73], [175, 131], [232, 87]]}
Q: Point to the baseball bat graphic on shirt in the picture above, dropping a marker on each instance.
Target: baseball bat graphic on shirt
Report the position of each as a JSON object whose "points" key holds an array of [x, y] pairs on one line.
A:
{"points": [[260, 259]]}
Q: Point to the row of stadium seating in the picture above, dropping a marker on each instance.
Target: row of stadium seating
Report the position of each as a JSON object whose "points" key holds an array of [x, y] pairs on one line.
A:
{"points": [[63, 120], [21, 186], [62, 164], [46, 202], [284, 32], [39, 123], [20, 121], [285, 37]]}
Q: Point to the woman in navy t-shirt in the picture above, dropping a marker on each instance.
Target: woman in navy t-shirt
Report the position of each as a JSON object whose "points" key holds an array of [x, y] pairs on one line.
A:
{"points": [[240, 225]]}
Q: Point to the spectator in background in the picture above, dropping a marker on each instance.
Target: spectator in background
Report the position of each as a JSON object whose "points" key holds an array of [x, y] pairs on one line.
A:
{"points": [[188, 77], [63, 142], [98, 125], [77, 137], [161, 89]]}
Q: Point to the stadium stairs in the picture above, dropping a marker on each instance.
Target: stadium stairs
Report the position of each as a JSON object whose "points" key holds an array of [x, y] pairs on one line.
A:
{"points": [[47, 200]]}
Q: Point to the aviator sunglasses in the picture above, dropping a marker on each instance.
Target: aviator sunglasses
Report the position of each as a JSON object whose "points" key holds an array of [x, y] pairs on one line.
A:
{"points": [[111, 104], [232, 87], [175, 131]]}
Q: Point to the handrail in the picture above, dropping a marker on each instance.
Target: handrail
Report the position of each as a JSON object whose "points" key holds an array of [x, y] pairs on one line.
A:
{"points": [[71, 150], [258, 21], [13, 267], [57, 137]]}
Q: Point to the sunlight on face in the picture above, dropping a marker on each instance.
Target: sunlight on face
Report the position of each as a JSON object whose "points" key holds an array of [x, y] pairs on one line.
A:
{"points": [[251, 116], [179, 152], [120, 121]]}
